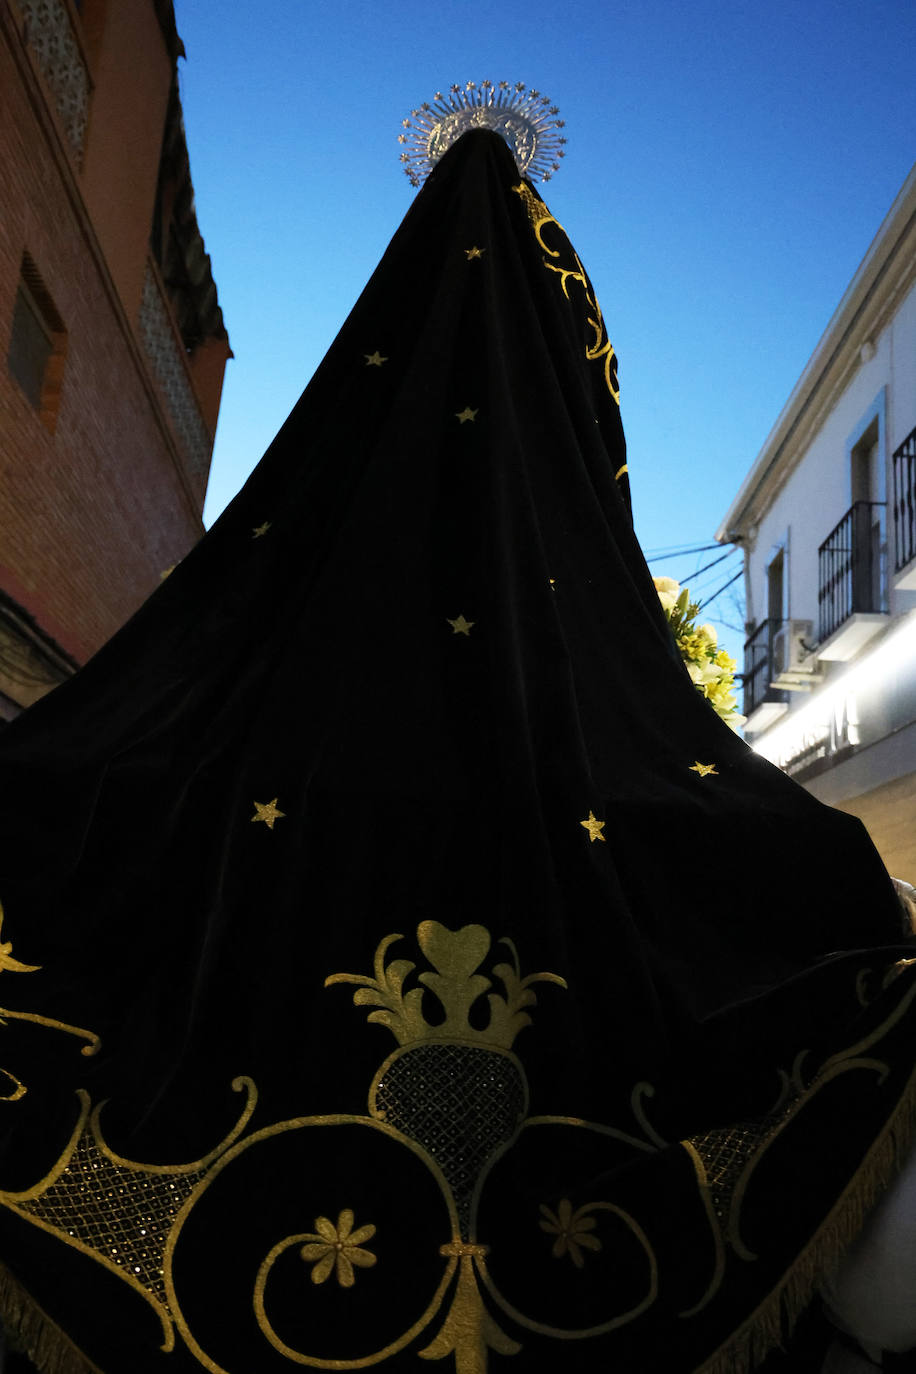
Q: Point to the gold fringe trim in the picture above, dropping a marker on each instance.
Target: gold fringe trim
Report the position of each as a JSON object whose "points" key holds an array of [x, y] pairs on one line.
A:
{"points": [[775, 1318], [32, 1331]]}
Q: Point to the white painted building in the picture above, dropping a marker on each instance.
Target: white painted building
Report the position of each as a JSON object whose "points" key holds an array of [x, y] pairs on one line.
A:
{"points": [[827, 518]]}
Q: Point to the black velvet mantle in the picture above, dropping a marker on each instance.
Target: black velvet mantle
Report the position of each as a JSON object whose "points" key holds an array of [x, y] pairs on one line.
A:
{"points": [[411, 713]]}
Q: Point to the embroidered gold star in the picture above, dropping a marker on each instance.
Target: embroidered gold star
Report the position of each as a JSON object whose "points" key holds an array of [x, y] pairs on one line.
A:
{"points": [[260, 530], [267, 812], [467, 414], [473, 253], [704, 769], [461, 626], [594, 827], [374, 359]]}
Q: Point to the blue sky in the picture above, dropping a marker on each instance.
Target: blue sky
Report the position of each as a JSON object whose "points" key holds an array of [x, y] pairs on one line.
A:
{"points": [[728, 165]]}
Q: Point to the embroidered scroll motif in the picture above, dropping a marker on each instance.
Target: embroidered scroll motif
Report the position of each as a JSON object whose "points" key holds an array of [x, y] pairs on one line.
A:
{"points": [[10, 965], [600, 349], [725, 1159], [429, 1168], [452, 1095], [118, 1212]]}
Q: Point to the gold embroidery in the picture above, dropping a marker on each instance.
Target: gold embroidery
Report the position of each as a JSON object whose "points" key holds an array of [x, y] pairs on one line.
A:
{"points": [[10, 965], [463, 1104], [260, 530], [7, 963], [259, 1296], [718, 1271], [893, 972], [620, 471], [462, 416], [572, 1230], [118, 1214], [726, 1159], [705, 770], [469, 1331], [461, 1247], [116, 1211], [539, 216], [452, 1087], [337, 1247], [267, 812], [600, 347], [610, 1131], [455, 955], [564, 273], [562, 1333], [594, 827], [19, 1089], [640, 1091], [851, 1057], [374, 359], [462, 626], [473, 253], [88, 1049], [724, 1154], [452, 1093]]}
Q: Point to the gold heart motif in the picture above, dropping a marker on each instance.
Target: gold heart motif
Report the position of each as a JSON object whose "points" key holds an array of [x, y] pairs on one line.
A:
{"points": [[455, 953]]}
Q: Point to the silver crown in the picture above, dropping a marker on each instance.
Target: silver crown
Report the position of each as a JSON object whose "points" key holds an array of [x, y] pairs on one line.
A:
{"points": [[524, 118]]}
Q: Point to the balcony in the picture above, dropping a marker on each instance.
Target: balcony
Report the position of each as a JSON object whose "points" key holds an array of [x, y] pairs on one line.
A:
{"points": [[904, 463], [762, 705], [852, 582], [778, 658]]}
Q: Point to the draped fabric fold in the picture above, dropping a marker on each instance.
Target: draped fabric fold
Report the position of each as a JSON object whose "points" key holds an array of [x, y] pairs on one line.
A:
{"points": [[401, 961]]}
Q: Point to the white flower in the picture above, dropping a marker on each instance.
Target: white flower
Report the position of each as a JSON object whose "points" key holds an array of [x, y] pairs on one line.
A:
{"points": [[702, 673], [710, 669], [668, 592]]}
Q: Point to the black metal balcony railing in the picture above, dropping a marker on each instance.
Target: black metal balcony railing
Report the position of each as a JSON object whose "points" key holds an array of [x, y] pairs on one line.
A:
{"points": [[851, 571], [904, 461], [758, 664]]}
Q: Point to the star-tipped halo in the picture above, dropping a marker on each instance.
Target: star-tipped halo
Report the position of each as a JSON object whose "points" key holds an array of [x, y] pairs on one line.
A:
{"points": [[524, 118]]}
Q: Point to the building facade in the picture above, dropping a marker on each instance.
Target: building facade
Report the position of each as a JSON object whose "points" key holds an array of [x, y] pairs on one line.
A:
{"points": [[827, 520], [111, 337]]}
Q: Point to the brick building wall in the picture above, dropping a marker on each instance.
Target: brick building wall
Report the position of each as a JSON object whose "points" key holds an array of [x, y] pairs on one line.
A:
{"points": [[100, 497]]}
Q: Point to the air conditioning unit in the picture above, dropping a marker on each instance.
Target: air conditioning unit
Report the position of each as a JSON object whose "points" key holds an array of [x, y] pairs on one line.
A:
{"points": [[794, 665]]}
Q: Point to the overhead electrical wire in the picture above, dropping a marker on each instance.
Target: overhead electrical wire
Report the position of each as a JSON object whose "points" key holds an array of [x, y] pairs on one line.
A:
{"points": [[677, 551], [698, 572], [725, 585]]}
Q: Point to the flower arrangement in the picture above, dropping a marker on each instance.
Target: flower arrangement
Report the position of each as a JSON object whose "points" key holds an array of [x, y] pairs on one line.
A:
{"points": [[711, 669]]}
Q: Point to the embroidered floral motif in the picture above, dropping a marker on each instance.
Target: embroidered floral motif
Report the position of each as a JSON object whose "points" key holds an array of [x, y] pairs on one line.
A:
{"points": [[338, 1247], [572, 1231]]}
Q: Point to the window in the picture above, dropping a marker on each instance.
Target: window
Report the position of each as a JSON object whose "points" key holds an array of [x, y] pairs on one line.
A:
{"points": [[868, 490], [38, 344], [776, 585]]}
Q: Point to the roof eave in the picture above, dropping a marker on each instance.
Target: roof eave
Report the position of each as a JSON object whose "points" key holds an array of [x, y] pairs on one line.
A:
{"points": [[773, 456]]}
